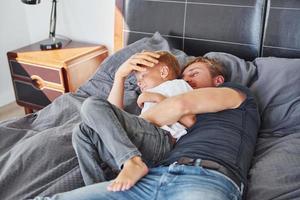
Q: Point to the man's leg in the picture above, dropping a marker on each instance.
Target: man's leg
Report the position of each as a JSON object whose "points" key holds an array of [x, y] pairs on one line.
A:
{"points": [[145, 189], [195, 183], [175, 182], [91, 152]]}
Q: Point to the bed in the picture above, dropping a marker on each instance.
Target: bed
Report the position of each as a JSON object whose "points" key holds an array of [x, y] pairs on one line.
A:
{"points": [[257, 40]]}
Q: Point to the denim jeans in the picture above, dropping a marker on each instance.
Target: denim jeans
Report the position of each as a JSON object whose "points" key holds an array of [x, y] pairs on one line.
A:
{"points": [[174, 182], [109, 135]]}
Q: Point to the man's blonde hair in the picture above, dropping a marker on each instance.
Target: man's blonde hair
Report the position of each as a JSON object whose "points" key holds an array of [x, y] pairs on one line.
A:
{"points": [[214, 66], [170, 60]]}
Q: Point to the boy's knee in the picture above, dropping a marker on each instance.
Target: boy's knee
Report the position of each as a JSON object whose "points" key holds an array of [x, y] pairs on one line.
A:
{"points": [[79, 134], [93, 105]]}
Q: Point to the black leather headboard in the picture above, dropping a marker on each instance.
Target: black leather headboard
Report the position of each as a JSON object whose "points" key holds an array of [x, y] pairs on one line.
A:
{"points": [[282, 35], [247, 28]]}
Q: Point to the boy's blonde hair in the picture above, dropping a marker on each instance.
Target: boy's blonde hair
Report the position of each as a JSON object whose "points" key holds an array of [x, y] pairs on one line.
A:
{"points": [[170, 60]]}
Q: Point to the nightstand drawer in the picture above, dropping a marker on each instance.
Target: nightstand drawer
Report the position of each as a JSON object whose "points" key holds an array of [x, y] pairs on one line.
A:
{"points": [[39, 77], [27, 93], [27, 71]]}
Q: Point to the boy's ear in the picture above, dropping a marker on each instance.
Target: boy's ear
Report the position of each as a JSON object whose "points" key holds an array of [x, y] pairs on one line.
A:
{"points": [[164, 71], [218, 80]]}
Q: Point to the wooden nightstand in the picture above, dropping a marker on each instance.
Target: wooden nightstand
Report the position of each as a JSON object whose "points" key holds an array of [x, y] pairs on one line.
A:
{"points": [[41, 76]]}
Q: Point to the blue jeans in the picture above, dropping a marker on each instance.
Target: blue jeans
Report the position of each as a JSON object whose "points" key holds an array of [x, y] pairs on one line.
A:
{"points": [[174, 182], [108, 136]]}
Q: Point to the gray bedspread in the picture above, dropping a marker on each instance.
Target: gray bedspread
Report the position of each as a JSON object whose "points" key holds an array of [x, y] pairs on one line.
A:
{"points": [[36, 154]]}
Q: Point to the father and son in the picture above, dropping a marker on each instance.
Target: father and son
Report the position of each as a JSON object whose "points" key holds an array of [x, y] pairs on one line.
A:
{"points": [[194, 138]]}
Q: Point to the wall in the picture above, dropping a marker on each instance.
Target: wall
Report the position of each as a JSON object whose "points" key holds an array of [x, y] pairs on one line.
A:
{"points": [[83, 20], [14, 33]]}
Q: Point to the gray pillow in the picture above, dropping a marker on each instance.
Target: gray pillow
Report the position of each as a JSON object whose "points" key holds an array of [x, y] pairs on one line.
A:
{"points": [[237, 70], [101, 82], [275, 170], [278, 94]]}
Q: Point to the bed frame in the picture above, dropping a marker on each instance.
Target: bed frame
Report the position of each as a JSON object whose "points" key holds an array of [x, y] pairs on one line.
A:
{"points": [[247, 29]]}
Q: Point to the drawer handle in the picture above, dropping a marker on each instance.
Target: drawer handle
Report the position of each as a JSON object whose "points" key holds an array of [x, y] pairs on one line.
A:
{"points": [[38, 82]]}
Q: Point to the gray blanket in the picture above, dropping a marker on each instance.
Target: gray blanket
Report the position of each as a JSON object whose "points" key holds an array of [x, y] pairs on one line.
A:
{"points": [[36, 154], [37, 158]]}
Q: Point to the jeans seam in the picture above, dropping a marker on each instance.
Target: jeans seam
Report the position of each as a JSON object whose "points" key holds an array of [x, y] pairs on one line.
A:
{"points": [[110, 109]]}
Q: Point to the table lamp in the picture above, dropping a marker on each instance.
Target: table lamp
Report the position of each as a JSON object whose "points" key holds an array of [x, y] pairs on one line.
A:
{"points": [[52, 42]]}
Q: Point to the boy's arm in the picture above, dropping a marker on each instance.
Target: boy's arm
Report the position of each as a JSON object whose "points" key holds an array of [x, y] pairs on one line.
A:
{"points": [[137, 62], [116, 94]]}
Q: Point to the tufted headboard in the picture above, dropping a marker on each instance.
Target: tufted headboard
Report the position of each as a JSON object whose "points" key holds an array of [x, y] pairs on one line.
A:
{"points": [[247, 29]]}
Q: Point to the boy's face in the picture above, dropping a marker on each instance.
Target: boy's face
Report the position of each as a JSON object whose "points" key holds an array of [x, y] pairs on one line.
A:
{"points": [[149, 78]]}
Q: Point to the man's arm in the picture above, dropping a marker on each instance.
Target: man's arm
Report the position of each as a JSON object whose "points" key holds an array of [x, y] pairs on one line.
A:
{"points": [[198, 101], [187, 120]]}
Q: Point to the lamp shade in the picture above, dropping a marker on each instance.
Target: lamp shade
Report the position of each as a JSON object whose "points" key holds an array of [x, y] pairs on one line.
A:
{"points": [[31, 1]]}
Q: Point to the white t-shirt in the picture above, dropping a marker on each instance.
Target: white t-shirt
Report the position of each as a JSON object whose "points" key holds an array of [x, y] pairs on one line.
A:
{"points": [[168, 89]]}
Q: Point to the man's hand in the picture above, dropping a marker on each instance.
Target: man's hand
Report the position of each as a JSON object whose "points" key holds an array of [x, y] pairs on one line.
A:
{"points": [[149, 97], [137, 62], [188, 120]]}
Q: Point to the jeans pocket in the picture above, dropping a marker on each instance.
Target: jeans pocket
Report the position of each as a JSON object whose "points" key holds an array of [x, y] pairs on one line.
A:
{"points": [[228, 184]]}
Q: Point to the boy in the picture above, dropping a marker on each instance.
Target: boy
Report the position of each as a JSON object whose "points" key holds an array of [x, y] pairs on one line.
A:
{"points": [[155, 72], [161, 78]]}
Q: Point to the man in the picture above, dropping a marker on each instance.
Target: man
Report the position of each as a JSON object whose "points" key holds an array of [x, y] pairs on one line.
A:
{"points": [[213, 159]]}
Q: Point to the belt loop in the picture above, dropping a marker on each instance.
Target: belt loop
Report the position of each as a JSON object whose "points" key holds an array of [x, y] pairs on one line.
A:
{"points": [[197, 162], [242, 188]]}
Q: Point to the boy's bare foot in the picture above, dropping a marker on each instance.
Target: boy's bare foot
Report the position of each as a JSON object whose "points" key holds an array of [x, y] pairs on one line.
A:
{"points": [[133, 170]]}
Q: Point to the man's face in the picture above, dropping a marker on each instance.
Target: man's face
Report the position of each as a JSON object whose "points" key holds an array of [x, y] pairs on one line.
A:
{"points": [[149, 78], [198, 76]]}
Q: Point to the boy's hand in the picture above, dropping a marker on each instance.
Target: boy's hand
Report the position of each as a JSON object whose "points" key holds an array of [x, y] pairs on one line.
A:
{"points": [[137, 62], [149, 97]]}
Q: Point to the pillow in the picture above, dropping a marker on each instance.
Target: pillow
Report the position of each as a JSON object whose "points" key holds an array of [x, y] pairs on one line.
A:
{"points": [[237, 70], [275, 170], [101, 82], [278, 95]]}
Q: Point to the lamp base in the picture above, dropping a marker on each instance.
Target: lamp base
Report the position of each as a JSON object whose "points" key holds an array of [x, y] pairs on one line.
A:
{"points": [[53, 43]]}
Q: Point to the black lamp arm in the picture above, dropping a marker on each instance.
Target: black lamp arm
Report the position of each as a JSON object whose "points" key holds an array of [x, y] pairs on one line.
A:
{"points": [[51, 42], [53, 20]]}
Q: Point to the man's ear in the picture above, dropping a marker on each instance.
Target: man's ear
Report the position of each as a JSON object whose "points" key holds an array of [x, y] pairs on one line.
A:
{"points": [[164, 71], [218, 80]]}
